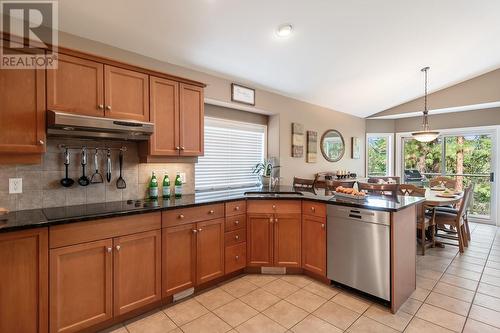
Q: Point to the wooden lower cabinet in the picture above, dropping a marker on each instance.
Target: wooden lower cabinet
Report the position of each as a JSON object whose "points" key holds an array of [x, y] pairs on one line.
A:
{"points": [[179, 258], [24, 281], [81, 286], [235, 257], [314, 244], [287, 240], [210, 250], [137, 271], [260, 239]]}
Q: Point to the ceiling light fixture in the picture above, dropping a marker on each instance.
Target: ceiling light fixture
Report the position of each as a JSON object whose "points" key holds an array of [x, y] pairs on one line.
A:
{"points": [[425, 135], [284, 30]]}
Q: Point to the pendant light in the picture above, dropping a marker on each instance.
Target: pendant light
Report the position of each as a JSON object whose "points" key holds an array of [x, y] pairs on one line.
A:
{"points": [[425, 135]]}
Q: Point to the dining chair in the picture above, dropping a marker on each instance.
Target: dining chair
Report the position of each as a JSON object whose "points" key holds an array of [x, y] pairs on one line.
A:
{"points": [[442, 180], [302, 184], [333, 184], [455, 219], [455, 210], [379, 189], [425, 216]]}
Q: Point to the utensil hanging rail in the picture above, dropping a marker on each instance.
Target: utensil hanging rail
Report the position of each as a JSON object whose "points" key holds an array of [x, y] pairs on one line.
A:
{"points": [[63, 146]]}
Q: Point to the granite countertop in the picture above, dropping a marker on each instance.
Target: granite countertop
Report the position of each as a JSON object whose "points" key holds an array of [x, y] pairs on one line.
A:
{"points": [[69, 214]]}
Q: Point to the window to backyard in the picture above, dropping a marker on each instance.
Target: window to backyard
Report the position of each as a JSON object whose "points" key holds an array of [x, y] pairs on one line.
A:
{"points": [[379, 154], [232, 149]]}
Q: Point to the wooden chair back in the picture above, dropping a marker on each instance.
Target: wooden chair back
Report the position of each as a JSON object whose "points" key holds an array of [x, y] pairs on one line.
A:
{"points": [[446, 181], [303, 184], [379, 189], [333, 184], [411, 190], [464, 205]]}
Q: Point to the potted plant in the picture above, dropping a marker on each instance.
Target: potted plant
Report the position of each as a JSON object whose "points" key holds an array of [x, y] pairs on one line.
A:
{"points": [[264, 169]]}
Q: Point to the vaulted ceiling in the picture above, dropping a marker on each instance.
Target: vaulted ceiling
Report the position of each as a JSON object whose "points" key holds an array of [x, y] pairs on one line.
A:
{"points": [[356, 56]]}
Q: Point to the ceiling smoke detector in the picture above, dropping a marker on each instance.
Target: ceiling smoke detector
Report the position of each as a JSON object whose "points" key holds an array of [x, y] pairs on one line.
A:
{"points": [[284, 30]]}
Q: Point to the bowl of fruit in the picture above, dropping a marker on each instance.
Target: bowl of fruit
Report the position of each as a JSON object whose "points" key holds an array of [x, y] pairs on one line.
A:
{"points": [[348, 192]]}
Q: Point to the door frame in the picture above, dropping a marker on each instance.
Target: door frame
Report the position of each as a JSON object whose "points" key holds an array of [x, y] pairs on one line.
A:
{"points": [[494, 131]]}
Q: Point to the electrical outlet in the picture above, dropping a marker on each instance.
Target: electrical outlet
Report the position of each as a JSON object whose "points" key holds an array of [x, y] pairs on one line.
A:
{"points": [[15, 185], [183, 177]]}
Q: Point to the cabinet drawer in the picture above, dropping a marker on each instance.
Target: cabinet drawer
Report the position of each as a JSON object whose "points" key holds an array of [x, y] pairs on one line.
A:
{"points": [[236, 207], [236, 222], [194, 214], [314, 208], [273, 206], [75, 233], [236, 257], [236, 236]]}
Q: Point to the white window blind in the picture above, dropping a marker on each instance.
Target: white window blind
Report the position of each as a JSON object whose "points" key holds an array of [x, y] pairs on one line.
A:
{"points": [[232, 149]]}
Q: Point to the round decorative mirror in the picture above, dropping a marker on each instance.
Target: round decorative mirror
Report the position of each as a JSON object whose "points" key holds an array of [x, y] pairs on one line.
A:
{"points": [[332, 145]]}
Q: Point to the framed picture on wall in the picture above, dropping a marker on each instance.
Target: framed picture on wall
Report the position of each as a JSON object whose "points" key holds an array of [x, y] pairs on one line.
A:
{"points": [[312, 146], [355, 148], [242, 94], [297, 140]]}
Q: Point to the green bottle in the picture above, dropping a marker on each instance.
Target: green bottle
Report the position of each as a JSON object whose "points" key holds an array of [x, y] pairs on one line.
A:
{"points": [[153, 187], [166, 187], [178, 186]]}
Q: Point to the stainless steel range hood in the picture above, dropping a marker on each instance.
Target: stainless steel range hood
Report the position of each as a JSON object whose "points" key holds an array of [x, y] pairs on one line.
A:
{"points": [[71, 125]]}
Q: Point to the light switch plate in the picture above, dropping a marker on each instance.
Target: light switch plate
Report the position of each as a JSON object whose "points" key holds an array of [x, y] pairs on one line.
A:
{"points": [[15, 185], [183, 177]]}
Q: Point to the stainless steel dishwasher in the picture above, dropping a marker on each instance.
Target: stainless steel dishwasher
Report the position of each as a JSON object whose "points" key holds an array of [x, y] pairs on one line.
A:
{"points": [[358, 242]]}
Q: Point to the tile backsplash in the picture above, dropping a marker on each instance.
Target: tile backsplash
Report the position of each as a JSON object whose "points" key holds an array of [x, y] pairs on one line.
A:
{"points": [[41, 187]]}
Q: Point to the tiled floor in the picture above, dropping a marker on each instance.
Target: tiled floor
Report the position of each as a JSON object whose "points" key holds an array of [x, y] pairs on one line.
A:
{"points": [[455, 292]]}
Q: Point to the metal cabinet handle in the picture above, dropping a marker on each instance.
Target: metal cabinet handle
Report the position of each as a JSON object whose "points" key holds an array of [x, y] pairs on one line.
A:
{"points": [[270, 220], [180, 216], [274, 206], [182, 147], [313, 208], [211, 211], [200, 229], [323, 225], [108, 107], [276, 220], [237, 257], [194, 231], [236, 222], [100, 107], [41, 142], [177, 148], [118, 247], [237, 208], [109, 249], [236, 237]]}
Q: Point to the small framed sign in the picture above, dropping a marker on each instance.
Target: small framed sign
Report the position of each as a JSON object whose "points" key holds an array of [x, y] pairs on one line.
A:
{"points": [[242, 94]]}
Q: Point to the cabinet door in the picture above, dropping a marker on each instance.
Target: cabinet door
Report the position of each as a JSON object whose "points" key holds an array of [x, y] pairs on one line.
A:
{"points": [[314, 244], [22, 110], [179, 258], [210, 250], [126, 94], [191, 126], [164, 103], [260, 239], [287, 240], [24, 287], [137, 271], [76, 86], [81, 292]]}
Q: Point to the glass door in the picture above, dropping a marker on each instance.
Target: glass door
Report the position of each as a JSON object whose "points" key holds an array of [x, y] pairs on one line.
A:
{"points": [[468, 158]]}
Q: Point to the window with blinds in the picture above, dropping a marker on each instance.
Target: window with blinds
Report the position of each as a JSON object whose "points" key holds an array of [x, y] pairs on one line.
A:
{"points": [[232, 149]]}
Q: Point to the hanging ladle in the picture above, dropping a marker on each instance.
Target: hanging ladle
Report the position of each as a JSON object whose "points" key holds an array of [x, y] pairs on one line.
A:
{"points": [[84, 180], [66, 181]]}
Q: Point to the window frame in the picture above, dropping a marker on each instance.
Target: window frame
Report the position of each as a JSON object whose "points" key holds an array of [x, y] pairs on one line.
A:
{"points": [[237, 125], [390, 151]]}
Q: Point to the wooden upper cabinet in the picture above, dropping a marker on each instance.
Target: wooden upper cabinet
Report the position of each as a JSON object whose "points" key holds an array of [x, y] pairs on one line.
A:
{"points": [[179, 258], [22, 111], [76, 86], [314, 244], [126, 94], [287, 240], [81, 292], [260, 239], [137, 271], [24, 287], [164, 112], [191, 122], [210, 250]]}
